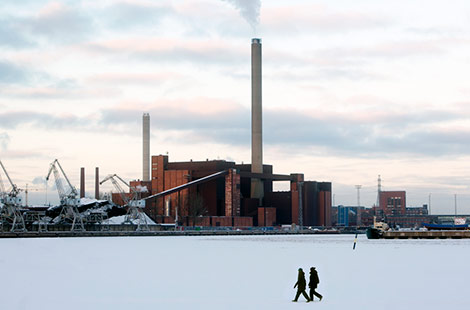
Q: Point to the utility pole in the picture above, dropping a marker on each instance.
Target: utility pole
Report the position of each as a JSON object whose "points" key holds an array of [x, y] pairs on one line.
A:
{"points": [[455, 203], [358, 187], [379, 189], [429, 204]]}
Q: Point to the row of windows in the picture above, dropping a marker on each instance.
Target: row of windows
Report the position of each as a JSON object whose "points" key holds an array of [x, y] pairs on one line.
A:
{"points": [[393, 201]]}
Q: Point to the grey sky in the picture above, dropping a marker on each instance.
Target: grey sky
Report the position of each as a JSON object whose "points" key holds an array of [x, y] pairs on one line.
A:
{"points": [[350, 89]]}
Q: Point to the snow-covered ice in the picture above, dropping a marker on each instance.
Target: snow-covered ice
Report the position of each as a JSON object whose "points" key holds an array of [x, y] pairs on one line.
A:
{"points": [[232, 272]]}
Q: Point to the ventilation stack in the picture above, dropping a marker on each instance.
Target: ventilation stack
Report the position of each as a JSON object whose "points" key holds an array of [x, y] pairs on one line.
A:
{"points": [[97, 183], [146, 147], [82, 182], [256, 120]]}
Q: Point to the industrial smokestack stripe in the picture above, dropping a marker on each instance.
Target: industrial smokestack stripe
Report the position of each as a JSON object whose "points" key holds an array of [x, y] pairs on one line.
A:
{"points": [[97, 183], [82, 182], [146, 147], [256, 118]]}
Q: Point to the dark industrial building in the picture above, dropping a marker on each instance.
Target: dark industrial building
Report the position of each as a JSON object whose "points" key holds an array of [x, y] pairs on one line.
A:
{"points": [[218, 193]]}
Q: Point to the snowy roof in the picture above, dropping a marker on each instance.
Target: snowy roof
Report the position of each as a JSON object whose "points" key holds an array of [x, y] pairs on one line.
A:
{"points": [[87, 201], [118, 220]]}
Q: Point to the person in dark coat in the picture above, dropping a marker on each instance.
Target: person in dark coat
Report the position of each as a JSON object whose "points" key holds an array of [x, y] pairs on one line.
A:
{"points": [[313, 283], [301, 285]]}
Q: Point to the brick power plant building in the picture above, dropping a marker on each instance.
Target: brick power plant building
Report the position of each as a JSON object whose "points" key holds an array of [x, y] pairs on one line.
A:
{"points": [[223, 193], [218, 193]]}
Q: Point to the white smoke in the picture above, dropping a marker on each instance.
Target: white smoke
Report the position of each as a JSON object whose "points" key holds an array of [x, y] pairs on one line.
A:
{"points": [[141, 189], [4, 140], [249, 10]]}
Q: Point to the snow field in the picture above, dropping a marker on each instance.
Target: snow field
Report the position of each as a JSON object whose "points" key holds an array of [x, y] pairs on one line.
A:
{"points": [[231, 272]]}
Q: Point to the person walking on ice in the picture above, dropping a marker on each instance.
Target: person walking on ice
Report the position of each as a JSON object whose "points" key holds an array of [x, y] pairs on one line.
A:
{"points": [[313, 283], [301, 285]]}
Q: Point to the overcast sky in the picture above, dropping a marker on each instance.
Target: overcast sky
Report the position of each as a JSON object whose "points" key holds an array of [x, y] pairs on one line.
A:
{"points": [[351, 90]]}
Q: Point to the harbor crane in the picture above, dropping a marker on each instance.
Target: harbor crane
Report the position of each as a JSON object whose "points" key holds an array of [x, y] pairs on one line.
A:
{"points": [[68, 198], [133, 202], [11, 204]]}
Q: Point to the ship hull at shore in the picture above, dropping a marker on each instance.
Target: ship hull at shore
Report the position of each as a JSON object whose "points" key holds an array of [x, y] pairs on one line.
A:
{"points": [[419, 234], [374, 233], [445, 227]]}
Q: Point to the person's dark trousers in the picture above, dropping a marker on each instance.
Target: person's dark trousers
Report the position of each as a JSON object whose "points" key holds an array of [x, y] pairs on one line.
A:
{"points": [[303, 293], [312, 292]]}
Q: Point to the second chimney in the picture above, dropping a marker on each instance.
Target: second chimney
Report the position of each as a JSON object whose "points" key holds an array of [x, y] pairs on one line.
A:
{"points": [[97, 183], [256, 119], [146, 147], [82, 182]]}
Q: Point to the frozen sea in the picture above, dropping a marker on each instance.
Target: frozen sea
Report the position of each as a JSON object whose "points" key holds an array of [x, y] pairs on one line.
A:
{"points": [[232, 272]]}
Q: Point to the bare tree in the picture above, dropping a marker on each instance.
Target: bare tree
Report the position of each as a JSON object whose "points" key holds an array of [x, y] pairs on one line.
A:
{"points": [[195, 207]]}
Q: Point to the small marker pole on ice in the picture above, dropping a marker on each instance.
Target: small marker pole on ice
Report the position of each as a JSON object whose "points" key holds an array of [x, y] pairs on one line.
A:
{"points": [[355, 240]]}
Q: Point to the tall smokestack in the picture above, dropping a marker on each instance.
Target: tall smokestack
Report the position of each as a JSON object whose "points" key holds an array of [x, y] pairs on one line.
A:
{"points": [[146, 147], [97, 183], [256, 119], [82, 182]]}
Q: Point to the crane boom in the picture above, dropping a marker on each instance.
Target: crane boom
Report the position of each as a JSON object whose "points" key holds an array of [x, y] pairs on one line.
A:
{"points": [[65, 197], [58, 182], [125, 198], [12, 203], [122, 180], [108, 177], [2, 188], [14, 190], [68, 199], [72, 188], [133, 204]]}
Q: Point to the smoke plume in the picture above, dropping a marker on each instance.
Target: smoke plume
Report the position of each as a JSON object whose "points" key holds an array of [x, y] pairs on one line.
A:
{"points": [[249, 10], [4, 140]]}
